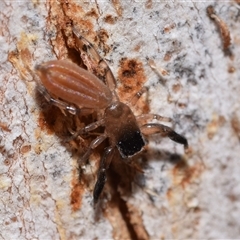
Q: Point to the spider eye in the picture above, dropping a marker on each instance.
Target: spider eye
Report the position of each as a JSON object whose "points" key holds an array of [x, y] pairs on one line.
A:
{"points": [[131, 142]]}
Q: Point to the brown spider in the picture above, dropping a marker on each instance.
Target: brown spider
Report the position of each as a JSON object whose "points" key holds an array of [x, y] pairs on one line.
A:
{"points": [[76, 90]]}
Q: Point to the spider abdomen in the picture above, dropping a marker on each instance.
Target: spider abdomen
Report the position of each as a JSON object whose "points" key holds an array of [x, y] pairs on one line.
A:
{"points": [[73, 84]]}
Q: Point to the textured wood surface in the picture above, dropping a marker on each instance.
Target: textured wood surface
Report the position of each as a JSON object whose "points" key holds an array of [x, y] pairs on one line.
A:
{"points": [[183, 55]]}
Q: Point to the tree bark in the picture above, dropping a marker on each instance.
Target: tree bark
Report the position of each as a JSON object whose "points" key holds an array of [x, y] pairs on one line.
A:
{"points": [[188, 59]]}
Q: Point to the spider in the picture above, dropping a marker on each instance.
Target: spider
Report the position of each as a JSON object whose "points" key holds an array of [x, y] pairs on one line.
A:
{"points": [[72, 88]]}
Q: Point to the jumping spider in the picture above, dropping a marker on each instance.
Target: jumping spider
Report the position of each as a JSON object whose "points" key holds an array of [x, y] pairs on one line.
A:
{"points": [[72, 88]]}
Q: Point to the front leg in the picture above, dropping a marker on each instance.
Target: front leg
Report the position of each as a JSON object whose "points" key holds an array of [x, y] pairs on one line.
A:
{"points": [[164, 131], [102, 178]]}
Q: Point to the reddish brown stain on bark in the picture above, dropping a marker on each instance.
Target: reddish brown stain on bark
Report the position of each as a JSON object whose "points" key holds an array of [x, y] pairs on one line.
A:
{"points": [[131, 77], [4, 127], [169, 27], [148, 4], [176, 87], [25, 149], [110, 19], [185, 174], [118, 7], [235, 124], [167, 56], [76, 193]]}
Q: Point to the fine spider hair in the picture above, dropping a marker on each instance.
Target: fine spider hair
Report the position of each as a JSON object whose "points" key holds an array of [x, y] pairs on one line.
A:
{"points": [[76, 90]]}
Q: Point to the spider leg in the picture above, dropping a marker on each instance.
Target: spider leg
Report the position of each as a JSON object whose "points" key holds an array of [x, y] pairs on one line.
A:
{"points": [[146, 117], [96, 142], [102, 178], [150, 116], [58, 103], [136, 97], [86, 47], [164, 131], [86, 129]]}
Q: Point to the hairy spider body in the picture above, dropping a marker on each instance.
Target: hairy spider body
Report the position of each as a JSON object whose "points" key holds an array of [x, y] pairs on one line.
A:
{"points": [[75, 89]]}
